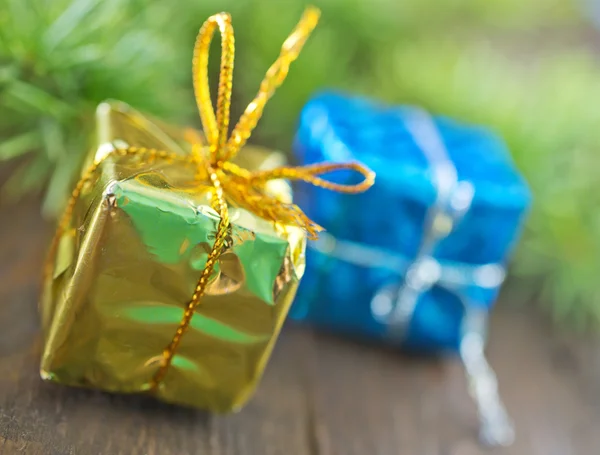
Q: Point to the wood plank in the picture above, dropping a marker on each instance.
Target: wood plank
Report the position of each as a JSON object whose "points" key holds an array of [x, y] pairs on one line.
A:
{"points": [[372, 400], [277, 421], [367, 400]]}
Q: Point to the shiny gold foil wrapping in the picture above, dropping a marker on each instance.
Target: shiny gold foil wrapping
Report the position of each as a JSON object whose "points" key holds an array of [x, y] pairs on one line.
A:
{"points": [[126, 268]]}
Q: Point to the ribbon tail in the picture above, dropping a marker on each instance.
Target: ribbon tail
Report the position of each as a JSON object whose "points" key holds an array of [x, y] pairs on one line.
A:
{"points": [[273, 79]]}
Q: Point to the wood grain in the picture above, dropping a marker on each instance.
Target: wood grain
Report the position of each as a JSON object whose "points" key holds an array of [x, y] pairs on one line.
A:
{"points": [[320, 396]]}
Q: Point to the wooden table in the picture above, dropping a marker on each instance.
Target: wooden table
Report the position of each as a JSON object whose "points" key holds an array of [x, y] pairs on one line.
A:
{"points": [[320, 395]]}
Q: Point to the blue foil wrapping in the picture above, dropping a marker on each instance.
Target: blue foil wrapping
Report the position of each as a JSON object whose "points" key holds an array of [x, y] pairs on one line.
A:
{"points": [[385, 227]]}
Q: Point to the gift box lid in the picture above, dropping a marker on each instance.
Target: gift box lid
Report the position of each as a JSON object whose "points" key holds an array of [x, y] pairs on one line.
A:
{"points": [[339, 127]]}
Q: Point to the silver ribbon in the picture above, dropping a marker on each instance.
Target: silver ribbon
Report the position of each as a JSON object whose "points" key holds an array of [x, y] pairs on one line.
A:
{"points": [[395, 304]]}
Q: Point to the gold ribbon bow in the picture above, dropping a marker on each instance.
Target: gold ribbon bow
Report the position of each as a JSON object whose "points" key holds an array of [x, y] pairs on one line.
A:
{"points": [[213, 155], [242, 187]]}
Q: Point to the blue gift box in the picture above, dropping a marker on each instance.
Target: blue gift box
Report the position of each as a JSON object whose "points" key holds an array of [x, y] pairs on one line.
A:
{"points": [[418, 260]]}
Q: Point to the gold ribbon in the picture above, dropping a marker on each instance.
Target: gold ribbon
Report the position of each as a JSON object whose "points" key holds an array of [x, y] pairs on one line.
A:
{"points": [[213, 155]]}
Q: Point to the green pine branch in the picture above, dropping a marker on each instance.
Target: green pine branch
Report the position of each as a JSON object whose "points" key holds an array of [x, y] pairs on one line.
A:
{"points": [[58, 60]]}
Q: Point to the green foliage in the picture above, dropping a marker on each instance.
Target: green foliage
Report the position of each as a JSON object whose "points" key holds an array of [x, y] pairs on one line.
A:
{"points": [[58, 60], [522, 67]]}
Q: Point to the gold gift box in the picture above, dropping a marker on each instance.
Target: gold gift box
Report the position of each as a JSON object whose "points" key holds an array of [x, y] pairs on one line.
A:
{"points": [[126, 266]]}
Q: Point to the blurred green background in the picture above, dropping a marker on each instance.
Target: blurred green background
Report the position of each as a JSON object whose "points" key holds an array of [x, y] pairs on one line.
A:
{"points": [[527, 68]]}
